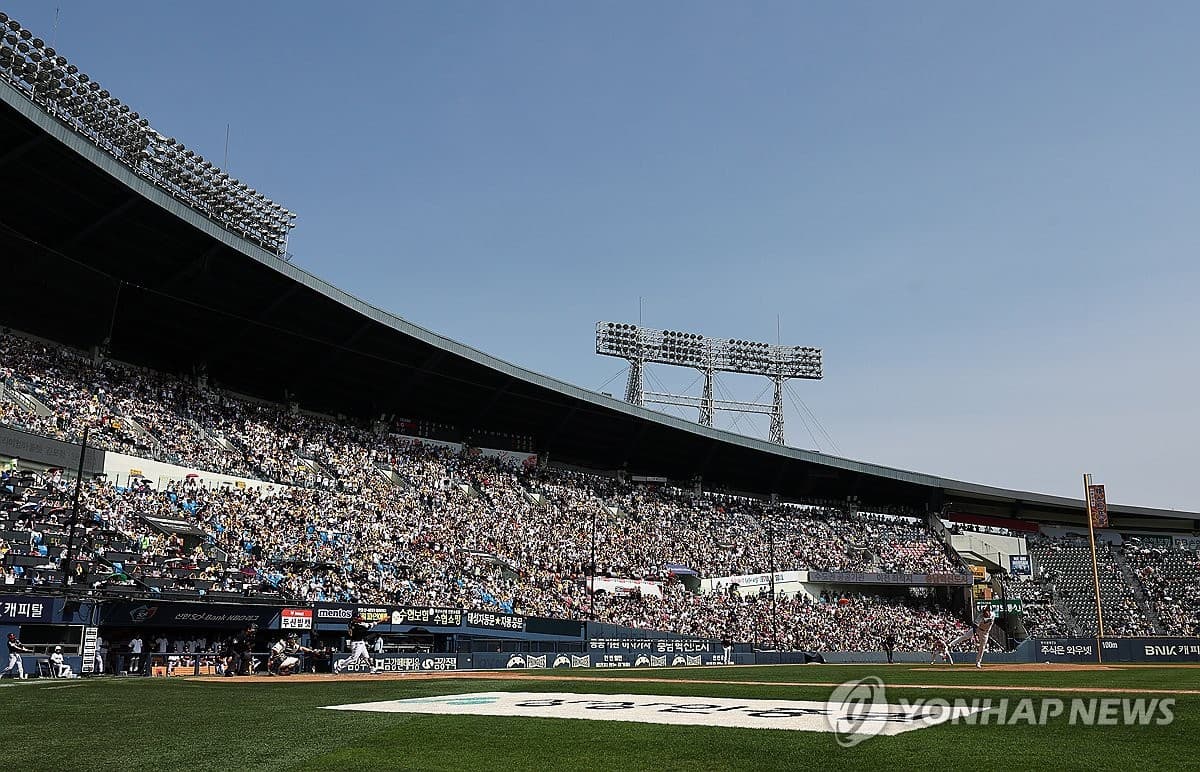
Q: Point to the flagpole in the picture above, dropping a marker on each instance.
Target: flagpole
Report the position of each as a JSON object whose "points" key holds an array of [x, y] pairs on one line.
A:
{"points": [[1087, 500]]}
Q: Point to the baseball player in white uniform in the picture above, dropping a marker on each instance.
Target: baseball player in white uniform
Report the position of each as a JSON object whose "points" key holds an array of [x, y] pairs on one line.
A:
{"points": [[285, 656], [58, 665], [983, 629], [940, 649]]}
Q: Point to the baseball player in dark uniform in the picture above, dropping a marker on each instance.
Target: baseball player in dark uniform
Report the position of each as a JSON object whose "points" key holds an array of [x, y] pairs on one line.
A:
{"points": [[14, 648], [357, 631], [237, 653], [889, 646]]}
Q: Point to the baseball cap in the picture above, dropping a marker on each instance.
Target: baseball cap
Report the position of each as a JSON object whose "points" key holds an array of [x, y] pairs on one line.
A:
{"points": [[58, 648]]}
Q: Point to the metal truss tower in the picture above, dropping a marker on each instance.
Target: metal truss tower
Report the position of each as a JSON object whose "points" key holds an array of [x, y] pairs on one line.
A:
{"points": [[641, 346]]}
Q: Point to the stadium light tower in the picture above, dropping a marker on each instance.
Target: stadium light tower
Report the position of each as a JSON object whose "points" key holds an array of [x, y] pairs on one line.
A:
{"points": [[641, 345], [79, 103]]}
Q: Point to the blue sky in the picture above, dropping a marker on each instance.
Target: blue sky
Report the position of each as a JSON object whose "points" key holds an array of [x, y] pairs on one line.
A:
{"points": [[985, 214]]}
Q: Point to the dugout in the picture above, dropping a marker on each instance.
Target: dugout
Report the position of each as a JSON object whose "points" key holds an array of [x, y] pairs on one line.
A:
{"points": [[194, 633], [43, 622]]}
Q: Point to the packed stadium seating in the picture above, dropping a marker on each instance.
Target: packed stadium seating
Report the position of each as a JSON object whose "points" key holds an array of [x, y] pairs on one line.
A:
{"points": [[1042, 616], [1066, 564], [348, 513], [1171, 575]]}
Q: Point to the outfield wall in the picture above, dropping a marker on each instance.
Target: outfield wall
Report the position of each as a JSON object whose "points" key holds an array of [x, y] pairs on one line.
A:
{"points": [[1163, 650], [520, 642], [655, 653]]}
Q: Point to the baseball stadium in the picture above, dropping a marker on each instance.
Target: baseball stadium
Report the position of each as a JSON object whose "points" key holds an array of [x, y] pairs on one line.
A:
{"points": [[248, 520]]}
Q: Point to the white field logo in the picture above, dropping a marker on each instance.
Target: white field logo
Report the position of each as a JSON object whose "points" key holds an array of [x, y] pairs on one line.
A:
{"points": [[732, 712], [858, 710]]}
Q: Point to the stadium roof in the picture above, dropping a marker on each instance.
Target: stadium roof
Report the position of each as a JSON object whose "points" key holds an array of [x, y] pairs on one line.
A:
{"points": [[94, 252]]}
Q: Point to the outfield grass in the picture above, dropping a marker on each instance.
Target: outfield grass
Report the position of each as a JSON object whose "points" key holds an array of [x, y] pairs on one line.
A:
{"points": [[267, 724]]}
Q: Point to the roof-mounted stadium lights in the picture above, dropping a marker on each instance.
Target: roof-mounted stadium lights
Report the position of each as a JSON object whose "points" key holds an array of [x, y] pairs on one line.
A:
{"points": [[59, 88], [641, 346]]}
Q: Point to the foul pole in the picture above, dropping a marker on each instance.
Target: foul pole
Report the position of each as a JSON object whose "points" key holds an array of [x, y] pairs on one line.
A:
{"points": [[1092, 505]]}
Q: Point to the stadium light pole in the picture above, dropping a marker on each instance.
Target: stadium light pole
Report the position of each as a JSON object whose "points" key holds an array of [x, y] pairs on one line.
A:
{"points": [[66, 569], [640, 346], [774, 608], [592, 577], [58, 88]]}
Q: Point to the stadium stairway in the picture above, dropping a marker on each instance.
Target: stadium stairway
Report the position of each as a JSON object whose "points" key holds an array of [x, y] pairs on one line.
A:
{"points": [[1064, 609], [141, 432], [391, 475], [212, 437], [314, 468], [946, 539], [24, 400], [1140, 596], [1068, 565]]}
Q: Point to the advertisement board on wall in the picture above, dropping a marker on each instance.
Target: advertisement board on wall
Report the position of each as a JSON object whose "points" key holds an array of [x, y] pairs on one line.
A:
{"points": [[406, 663], [495, 621], [1002, 606], [1118, 650], [151, 614], [866, 577], [296, 619], [339, 614], [427, 617], [25, 608]]}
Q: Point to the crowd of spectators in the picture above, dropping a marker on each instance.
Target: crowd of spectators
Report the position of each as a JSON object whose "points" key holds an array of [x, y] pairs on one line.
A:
{"points": [[956, 527], [1170, 574], [1040, 615], [1065, 562], [353, 513]]}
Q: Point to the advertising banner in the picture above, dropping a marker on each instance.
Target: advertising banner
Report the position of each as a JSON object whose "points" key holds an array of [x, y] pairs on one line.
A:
{"points": [[43, 450], [518, 660], [129, 613], [493, 621], [330, 615], [1018, 565], [1161, 649], [427, 617], [657, 645], [25, 608], [654, 652], [1119, 650], [1005, 606], [296, 619], [406, 663], [863, 577], [1097, 506], [1066, 650]]}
